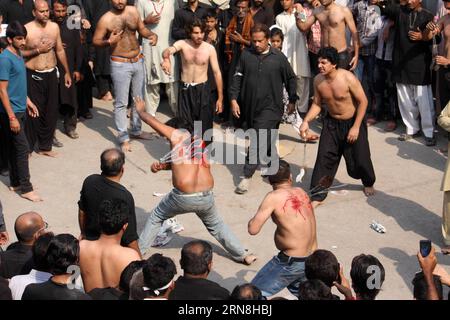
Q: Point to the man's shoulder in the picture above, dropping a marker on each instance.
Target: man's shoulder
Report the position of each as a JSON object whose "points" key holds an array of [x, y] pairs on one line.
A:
{"points": [[427, 14]]}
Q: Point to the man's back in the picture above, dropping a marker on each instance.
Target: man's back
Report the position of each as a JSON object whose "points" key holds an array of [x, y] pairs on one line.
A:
{"points": [[97, 188], [198, 289], [296, 224], [102, 262]]}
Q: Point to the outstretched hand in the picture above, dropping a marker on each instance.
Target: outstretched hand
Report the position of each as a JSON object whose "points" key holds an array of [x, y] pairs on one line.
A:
{"points": [[139, 104]]}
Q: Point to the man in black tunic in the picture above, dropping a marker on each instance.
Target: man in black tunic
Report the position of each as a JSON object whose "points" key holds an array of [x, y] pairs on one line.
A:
{"points": [[74, 53], [411, 69], [258, 83]]}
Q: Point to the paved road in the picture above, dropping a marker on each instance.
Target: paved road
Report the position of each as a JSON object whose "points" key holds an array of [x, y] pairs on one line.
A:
{"points": [[408, 202]]}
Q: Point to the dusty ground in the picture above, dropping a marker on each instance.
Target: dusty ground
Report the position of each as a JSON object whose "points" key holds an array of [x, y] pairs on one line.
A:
{"points": [[408, 200]]}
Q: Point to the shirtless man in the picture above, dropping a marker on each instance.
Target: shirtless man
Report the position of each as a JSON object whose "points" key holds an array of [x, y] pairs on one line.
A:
{"points": [[193, 184], [196, 55], [43, 47], [117, 28], [295, 236], [333, 20], [343, 133], [102, 261], [443, 25]]}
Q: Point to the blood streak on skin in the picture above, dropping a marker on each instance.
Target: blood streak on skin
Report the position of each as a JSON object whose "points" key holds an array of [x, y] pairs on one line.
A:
{"points": [[295, 204]]}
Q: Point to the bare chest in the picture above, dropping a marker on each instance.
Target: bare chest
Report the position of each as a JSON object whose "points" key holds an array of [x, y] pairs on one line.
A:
{"points": [[199, 56], [331, 19], [38, 37], [336, 91], [125, 22], [446, 31]]}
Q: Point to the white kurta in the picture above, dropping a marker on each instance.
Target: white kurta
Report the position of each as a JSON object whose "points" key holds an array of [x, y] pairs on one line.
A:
{"points": [[153, 55], [294, 44]]}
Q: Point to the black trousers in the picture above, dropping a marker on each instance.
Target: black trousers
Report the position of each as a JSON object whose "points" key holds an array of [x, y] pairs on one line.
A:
{"points": [[104, 84], [194, 105], [17, 151], [344, 60], [43, 91], [265, 139], [333, 145]]}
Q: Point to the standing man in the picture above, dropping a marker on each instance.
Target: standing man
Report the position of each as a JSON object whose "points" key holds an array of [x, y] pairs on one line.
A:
{"points": [[333, 20], [74, 53], [14, 104], [411, 69], [442, 60], [444, 122], [296, 51], [185, 16], [260, 13], [295, 236], [368, 22], [17, 10], [97, 188], [194, 98], [193, 184], [43, 47], [157, 16], [258, 83], [343, 133], [117, 28]]}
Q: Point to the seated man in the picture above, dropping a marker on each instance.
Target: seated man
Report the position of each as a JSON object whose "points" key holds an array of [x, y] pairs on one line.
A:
{"points": [[295, 236], [103, 260], [193, 183], [246, 292], [366, 269], [17, 258], [196, 262]]}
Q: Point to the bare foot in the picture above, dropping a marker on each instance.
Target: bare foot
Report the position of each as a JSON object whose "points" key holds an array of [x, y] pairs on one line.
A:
{"points": [[315, 204], [445, 250], [32, 196], [125, 146], [249, 259], [144, 136], [369, 191], [107, 96], [14, 189], [50, 153]]}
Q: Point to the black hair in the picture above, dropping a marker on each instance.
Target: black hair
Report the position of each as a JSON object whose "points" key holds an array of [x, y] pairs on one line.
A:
{"points": [[196, 23], [330, 54], [260, 27], [158, 272], [39, 251], [239, 1], [277, 32], [15, 29], [211, 13], [113, 215], [63, 251], [283, 174], [322, 265], [314, 289], [127, 274], [61, 2], [360, 275], [246, 291], [3, 43], [420, 286], [112, 161], [195, 257]]}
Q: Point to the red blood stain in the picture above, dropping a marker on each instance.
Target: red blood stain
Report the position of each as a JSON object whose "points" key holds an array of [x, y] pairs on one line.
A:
{"points": [[296, 204]]}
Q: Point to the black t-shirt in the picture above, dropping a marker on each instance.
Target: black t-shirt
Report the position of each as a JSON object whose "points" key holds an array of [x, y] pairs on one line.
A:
{"points": [[16, 260], [12, 10], [107, 294], [97, 188], [52, 291], [198, 289]]}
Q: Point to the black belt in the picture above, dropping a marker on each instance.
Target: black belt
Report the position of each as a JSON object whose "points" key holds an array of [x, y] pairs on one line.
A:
{"points": [[287, 259]]}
